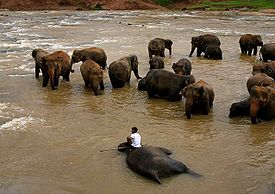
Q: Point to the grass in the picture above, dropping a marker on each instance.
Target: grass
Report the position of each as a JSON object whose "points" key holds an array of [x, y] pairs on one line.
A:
{"points": [[232, 4], [164, 2]]}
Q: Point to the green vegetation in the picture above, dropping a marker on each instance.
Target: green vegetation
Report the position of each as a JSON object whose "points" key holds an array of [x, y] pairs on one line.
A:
{"points": [[232, 4], [164, 2]]}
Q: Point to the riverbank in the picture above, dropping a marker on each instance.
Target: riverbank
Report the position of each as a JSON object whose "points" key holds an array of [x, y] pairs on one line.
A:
{"points": [[208, 6]]}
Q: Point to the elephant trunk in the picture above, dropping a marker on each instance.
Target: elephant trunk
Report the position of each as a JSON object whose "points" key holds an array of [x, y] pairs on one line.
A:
{"points": [[53, 78], [96, 86], [254, 108], [188, 106], [170, 51], [136, 74], [192, 50]]}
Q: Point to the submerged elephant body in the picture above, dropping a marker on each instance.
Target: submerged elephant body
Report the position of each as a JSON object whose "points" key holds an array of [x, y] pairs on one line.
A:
{"points": [[182, 67], [165, 84], [241, 108], [213, 52], [157, 47], [155, 163], [249, 43], [93, 53], [201, 42], [37, 55], [120, 70], [199, 98], [156, 62], [92, 75], [268, 52], [55, 65]]}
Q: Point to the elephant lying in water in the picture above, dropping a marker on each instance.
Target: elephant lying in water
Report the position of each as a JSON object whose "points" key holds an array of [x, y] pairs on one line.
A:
{"points": [[154, 162]]}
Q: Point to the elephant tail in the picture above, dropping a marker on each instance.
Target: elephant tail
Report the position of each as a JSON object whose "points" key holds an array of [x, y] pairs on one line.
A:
{"points": [[189, 171]]}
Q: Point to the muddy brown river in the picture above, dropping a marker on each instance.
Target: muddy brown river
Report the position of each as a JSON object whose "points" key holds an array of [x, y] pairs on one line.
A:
{"points": [[50, 141]]}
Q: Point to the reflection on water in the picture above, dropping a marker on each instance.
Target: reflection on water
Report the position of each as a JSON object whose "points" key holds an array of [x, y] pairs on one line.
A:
{"points": [[50, 140]]}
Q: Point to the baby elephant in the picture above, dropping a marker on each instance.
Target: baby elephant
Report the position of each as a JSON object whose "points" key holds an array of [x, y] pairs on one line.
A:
{"points": [[267, 68], [241, 108], [156, 62], [213, 51], [158, 45], [92, 75], [199, 98], [37, 55], [182, 67]]}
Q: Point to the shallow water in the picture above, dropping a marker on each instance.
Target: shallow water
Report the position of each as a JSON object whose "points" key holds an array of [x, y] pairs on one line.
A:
{"points": [[50, 140]]}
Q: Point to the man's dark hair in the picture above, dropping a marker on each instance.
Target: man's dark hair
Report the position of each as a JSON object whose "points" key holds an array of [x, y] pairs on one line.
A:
{"points": [[134, 129]]}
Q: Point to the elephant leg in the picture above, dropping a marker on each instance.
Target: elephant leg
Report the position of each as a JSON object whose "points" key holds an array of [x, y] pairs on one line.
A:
{"points": [[255, 50], [86, 83], [199, 51], [66, 77], [45, 80], [101, 86], [37, 71], [162, 53], [150, 94], [205, 110], [249, 50]]}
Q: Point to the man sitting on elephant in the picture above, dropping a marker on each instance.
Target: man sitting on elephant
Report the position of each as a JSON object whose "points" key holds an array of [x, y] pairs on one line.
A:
{"points": [[134, 140]]}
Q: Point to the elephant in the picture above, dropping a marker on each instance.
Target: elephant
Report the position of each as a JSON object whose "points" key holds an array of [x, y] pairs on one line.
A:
{"points": [[92, 75], [199, 98], [166, 84], [158, 45], [249, 42], [262, 99], [200, 42], [182, 67], [120, 70], [213, 51], [268, 52], [37, 54], [154, 162], [241, 108], [156, 62], [267, 68], [260, 79], [55, 65], [93, 53]]}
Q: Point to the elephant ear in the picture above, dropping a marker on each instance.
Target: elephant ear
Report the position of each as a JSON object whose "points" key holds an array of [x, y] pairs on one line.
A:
{"points": [[184, 90], [134, 62]]}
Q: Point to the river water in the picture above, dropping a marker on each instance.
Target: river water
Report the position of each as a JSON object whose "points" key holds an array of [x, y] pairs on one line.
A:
{"points": [[50, 141]]}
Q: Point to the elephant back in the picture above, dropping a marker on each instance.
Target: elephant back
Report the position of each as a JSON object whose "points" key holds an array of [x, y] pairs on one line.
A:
{"points": [[210, 39], [259, 79], [96, 54], [119, 72]]}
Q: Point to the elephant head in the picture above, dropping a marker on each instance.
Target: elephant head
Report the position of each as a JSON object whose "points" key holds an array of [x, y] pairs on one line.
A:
{"points": [[168, 45], [52, 70], [178, 69], [193, 93], [259, 99], [195, 42], [78, 55], [134, 65], [96, 78], [257, 39]]}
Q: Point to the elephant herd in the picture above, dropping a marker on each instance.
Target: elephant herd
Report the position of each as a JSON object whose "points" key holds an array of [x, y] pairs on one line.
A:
{"points": [[160, 83], [155, 162]]}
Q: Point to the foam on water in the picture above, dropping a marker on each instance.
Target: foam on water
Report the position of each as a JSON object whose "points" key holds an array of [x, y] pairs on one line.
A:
{"points": [[19, 123], [14, 118]]}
